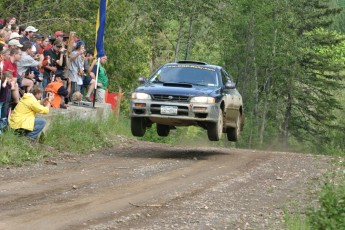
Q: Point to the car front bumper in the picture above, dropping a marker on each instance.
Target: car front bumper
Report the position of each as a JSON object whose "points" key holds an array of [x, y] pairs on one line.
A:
{"points": [[181, 114]]}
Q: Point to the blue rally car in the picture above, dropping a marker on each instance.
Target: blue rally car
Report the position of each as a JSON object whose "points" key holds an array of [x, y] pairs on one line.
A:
{"points": [[188, 93]]}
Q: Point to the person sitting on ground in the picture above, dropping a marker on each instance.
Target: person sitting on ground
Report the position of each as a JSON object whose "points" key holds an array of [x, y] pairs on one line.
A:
{"points": [[23, 118], [57, 88]]}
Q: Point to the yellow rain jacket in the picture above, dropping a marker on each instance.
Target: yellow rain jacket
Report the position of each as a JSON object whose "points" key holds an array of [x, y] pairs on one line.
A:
{"points": [[23, 116]]}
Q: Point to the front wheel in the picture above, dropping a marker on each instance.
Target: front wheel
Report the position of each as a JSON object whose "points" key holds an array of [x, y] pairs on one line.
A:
{"points": [[233, 133], [215, 130], [138, 126]]}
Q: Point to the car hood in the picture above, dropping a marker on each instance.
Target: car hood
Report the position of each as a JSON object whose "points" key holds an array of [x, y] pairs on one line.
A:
{"points": [[176, 89]]}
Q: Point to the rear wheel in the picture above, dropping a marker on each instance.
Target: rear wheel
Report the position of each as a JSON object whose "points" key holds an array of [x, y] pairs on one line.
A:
{"points": [[163, 130], [233, 133], [215, 130], [138, 126]]}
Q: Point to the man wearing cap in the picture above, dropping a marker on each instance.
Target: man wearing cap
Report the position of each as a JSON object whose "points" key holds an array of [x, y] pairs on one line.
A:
{"points": [[28, 63], [51, 56], [30, 30], [14, 43], [57, 88], [14, 35], [59, 35]]}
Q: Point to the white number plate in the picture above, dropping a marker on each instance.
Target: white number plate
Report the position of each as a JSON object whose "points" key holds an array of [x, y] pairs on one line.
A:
{"points": [[169, 110]]}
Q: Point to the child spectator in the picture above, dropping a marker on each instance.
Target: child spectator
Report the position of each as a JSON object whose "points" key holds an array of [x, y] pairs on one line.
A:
{"points": [[58, 89]]}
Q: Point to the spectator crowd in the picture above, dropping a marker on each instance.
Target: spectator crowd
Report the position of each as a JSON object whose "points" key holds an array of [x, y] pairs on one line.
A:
{"points": [[40, 71]]}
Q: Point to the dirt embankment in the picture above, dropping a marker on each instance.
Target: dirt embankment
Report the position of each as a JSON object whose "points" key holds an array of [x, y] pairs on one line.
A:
{"points": [[141, 185]]}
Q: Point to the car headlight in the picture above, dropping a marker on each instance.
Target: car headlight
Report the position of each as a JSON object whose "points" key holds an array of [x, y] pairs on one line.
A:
{"points": [[141, 96], [208, 100]]}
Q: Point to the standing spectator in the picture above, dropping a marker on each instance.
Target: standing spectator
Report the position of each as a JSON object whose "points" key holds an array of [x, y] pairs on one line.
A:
{"points": [[23, 117], [76, 66], [30, 30], [14, 43], [28, 64], [88, 81], [22, 31], [14, 28], [14, 35], [58, 89], [50, 57], [10, 65], [6, 84], [3, 36], [102, 82], [59, 35]]}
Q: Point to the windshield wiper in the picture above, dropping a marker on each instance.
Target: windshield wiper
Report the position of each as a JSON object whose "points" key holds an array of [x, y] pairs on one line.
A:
{"points": [[190, 83]]}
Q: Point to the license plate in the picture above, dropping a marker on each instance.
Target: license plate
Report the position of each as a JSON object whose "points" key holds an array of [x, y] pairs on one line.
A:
{"points": [[169, 110]]}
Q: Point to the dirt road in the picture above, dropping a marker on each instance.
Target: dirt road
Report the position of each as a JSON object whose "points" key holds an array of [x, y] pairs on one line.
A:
{"points": [[141, 185]]}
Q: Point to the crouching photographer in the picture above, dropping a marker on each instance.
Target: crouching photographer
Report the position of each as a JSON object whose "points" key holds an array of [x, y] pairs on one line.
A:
{"points": [[57, 88]]}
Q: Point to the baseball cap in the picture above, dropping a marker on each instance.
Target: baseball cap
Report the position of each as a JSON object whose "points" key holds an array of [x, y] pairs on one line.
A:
{"points": [[60, 74], [14, 35], [15, 42], [31, 29], [37, 36], [58, 33]]}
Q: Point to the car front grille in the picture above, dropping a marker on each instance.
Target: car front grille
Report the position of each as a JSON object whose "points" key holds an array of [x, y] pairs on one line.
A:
{"points": [[181, 110], [162, 97]]}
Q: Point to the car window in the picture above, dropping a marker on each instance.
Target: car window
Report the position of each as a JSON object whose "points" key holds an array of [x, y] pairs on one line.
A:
{"points": [[225, 77], [186, 74]]}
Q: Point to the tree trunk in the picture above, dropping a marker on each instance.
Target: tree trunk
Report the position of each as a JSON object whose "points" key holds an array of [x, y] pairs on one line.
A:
{"points": [[287, 116], [191, 18], [177, 49], [268, 90]]}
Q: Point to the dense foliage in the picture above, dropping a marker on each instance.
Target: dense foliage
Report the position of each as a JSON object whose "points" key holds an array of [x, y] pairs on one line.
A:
{"points": [[287, 57]]}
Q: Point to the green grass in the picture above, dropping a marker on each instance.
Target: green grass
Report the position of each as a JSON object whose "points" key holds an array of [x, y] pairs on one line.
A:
{"points": [[296, 222], [16, 150], [70, 135]]}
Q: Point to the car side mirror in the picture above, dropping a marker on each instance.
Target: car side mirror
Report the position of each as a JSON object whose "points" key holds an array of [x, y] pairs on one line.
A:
{"points": [[230, 85], [142, 79]]}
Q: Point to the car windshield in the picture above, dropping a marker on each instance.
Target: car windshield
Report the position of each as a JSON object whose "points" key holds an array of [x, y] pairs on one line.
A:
{"points": [[188, 74]]}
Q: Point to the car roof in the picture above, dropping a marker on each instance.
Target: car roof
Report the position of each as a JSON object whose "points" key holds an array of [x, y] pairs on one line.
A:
{"points": [[199, 63]]}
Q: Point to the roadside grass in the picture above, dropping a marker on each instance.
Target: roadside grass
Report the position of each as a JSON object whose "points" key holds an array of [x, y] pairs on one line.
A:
{"points": [[70, 135], [16, 150], [80, 136], [329, 213]]}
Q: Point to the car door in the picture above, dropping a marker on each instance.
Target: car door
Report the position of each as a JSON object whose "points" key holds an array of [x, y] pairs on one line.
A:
{"points": [[232, 101]]}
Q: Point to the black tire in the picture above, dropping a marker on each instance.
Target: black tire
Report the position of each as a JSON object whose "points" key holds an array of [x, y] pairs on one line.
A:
{"points": [[215, 129], [138, 126], [234, 133], [163, 130]]}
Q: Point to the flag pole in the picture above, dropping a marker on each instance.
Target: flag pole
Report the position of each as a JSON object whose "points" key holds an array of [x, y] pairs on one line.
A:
{"points": [[95, 89]]}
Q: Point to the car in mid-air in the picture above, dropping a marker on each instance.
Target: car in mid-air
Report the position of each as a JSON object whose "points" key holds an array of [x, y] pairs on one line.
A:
{"points": [[188, 93]]}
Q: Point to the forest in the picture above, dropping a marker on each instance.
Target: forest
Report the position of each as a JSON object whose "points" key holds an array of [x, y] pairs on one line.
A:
{"points": [[286, 57]]}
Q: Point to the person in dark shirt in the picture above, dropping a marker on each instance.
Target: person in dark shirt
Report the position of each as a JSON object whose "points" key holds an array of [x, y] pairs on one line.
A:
{"points": [[51, 56]]}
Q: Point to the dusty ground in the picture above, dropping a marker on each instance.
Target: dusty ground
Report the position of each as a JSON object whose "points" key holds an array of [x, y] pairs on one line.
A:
{"points": [[141, 185]]}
